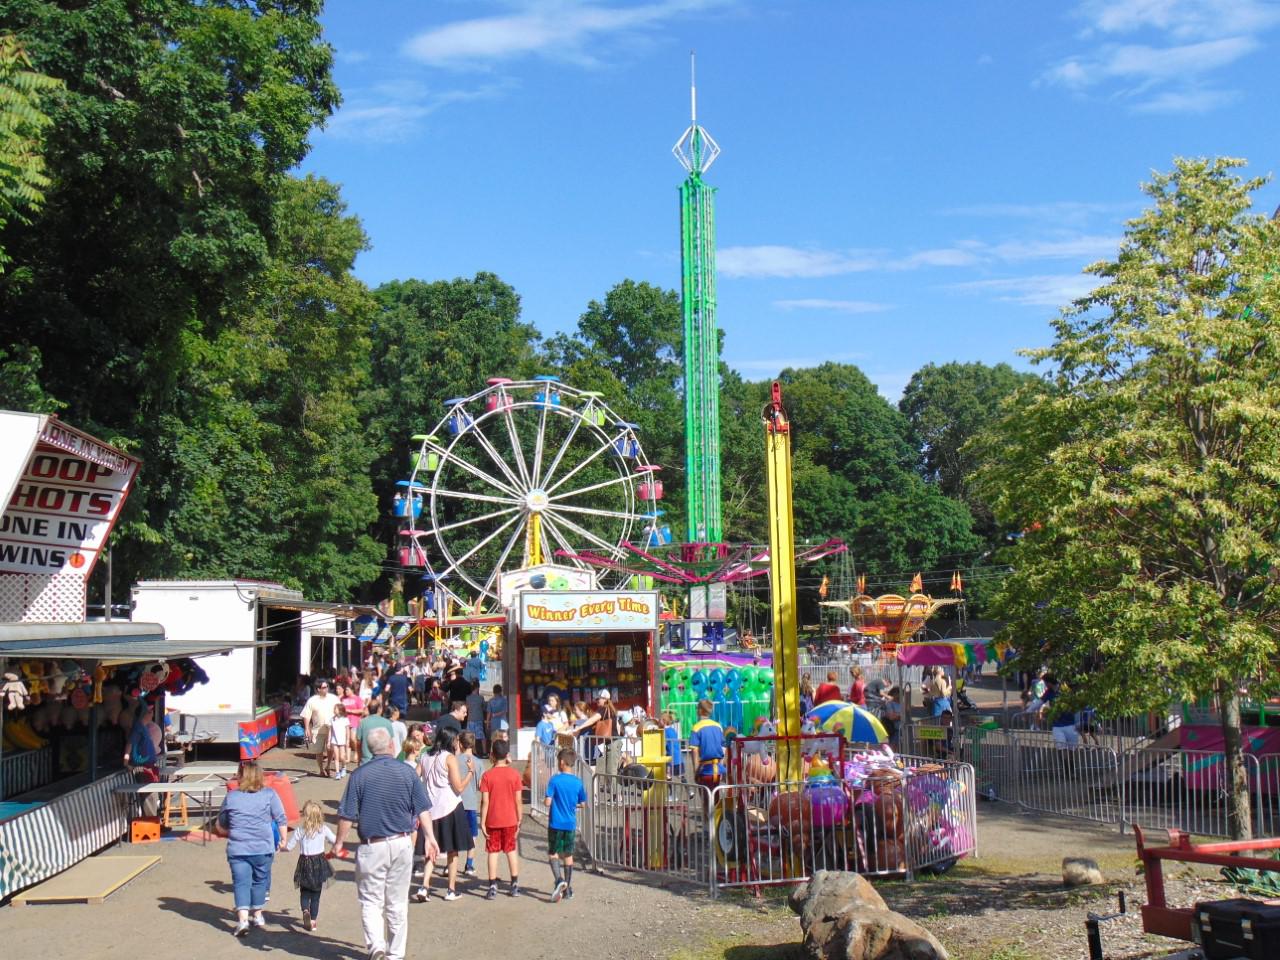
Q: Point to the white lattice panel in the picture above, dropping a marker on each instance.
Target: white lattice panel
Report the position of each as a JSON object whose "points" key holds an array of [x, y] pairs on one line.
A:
{"points": [[39, 597]]}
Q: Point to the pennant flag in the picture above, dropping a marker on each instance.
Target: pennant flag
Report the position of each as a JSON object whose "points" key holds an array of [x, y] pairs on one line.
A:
{"points": [[822, 588], [917, 585], [957, 583], [862, 583]]}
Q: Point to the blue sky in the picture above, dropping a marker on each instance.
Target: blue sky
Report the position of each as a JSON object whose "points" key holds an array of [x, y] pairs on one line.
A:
{"points": [[901, 182]]}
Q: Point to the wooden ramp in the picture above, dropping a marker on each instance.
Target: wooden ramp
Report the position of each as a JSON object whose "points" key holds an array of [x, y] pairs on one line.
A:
{"points": [[89, 881]]}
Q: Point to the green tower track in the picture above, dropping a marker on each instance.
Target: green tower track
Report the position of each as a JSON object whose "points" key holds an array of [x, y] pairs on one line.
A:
{"points": [[696, 151]]}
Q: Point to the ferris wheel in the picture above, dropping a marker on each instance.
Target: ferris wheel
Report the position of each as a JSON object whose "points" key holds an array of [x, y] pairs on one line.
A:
{"points": [[516, 473]]}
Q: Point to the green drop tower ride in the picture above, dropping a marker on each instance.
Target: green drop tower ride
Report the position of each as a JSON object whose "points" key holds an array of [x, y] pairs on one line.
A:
{"points": [[696, 151]]}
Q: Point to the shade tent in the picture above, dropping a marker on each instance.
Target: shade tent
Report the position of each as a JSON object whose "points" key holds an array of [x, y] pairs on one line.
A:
{"points": [[957, 652], [111, 643]]}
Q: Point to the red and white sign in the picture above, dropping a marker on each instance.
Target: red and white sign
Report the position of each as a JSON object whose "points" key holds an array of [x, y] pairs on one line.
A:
{"points": [[64, 504]]}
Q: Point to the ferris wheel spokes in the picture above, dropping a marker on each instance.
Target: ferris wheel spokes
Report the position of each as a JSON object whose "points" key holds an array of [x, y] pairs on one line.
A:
{"points": [[480, 519], [612, 548], [607, 445], [549, 525], [516, 534], [595, 512], [573, 430], [474, 430], [455, 563], [624, 478], [541, 438], [466, 495], [516, 448], [454, 460]]}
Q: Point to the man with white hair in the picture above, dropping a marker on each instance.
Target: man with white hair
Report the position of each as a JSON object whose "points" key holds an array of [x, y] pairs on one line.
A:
{"points": [[387, 802]]}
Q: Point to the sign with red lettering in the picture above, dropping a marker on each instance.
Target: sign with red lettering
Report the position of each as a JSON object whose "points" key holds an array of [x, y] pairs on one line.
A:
{"points": [[64, 504], [596, 611]]}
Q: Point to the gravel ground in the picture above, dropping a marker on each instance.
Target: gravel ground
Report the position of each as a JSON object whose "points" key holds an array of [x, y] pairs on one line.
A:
{"points": [[1008, 904]]}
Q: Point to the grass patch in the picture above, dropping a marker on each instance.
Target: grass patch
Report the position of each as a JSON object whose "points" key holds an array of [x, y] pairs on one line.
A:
{"points": [[737, 948]]}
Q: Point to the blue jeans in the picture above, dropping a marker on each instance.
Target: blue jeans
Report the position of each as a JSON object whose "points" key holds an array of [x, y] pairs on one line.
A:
{"points": [[250, 876]]}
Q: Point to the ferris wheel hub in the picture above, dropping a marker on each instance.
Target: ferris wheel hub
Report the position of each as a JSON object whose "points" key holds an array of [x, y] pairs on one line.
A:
{"points": [[536, 501]]}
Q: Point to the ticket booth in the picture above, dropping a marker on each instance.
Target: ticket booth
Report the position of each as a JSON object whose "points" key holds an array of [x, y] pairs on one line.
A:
{"points": [[577, 642]]}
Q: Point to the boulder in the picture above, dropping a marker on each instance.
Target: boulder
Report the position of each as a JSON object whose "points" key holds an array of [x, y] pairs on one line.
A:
{"points": [[871, 933], [844, 918], [1081, 872]]}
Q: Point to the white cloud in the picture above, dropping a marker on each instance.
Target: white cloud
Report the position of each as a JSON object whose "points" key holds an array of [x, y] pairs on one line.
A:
{"points": [[1181, 44], [1147, 65], [1044, 290], [1187, 101], [395, 111], [779, 261], [782, 261], [832, 306], [1087, 248], [1058, 211], [351, 57], [1181, 19], [564, 29]]}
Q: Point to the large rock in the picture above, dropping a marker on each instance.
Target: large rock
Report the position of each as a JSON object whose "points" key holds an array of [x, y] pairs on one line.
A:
{"points": [[844, 918], [1081, 872]]}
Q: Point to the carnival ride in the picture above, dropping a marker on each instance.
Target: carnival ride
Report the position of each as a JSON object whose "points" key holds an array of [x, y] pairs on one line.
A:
{"points": [[890, 617], [513, 473]]}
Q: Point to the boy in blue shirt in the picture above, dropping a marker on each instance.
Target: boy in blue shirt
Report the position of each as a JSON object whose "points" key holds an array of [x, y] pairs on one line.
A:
{"points": [[565, 794], [707, 743], [545, 731]]}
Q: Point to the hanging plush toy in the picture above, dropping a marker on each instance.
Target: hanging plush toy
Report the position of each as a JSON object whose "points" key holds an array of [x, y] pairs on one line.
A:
{"points": [[99, 678], [14, 692], [33, 670], [153, 676]]}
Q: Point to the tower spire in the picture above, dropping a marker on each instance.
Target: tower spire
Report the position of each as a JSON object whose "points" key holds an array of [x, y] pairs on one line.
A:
{"points": [[696, 150]]}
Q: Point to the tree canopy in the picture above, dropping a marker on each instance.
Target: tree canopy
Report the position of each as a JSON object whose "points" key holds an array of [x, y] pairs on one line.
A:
{"points": [[1146, 475]]}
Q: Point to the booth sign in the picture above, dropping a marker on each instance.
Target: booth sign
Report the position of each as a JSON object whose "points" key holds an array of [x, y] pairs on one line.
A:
{"points": [[595, 611], [63, 491]]}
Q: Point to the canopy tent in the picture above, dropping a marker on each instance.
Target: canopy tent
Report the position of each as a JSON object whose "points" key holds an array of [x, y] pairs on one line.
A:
{"points": [[955, 652], [110, 642]]}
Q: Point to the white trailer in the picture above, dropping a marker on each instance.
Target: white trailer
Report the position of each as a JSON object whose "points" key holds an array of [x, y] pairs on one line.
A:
{"points": [[248, 694]]}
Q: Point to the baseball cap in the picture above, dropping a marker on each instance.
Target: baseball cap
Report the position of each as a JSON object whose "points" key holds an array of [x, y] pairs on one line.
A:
{"points": [[548, 708], [604, 695]]}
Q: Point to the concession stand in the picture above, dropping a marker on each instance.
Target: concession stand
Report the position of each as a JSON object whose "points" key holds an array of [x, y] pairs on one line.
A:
{"points": [[576, 643]]}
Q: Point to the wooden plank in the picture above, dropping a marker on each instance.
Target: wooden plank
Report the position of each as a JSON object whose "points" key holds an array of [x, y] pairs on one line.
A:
{"points": [[90, 881]]}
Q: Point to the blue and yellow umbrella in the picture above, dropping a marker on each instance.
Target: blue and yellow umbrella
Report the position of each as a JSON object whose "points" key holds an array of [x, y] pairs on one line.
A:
{"points": [[856, 723]]}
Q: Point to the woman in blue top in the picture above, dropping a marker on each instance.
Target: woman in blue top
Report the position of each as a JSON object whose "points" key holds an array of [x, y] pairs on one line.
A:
{"points": [[255, 824]]}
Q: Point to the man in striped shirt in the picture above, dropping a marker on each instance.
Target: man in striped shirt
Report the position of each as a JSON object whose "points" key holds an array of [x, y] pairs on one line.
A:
{"points": [[387, 802]]}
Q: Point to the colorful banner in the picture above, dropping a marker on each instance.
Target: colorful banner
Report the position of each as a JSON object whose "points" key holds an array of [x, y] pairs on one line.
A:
{"points": [[596, 611]]}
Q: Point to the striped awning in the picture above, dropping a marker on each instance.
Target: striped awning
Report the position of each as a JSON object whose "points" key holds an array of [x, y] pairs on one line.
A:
{"points": [[117, 641]]}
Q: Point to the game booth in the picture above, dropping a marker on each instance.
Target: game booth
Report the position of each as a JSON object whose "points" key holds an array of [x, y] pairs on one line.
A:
{"points": [[576, 642], [74, 692]]}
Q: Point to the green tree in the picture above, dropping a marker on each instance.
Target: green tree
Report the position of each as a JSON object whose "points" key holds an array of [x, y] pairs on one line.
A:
{"points": [[945, 406], [854, 476], [1146, 476], [629, 346], [22, 126], [265, 456]]}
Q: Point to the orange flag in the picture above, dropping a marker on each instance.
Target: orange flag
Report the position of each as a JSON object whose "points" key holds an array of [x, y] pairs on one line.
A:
{"points": [[957, 583], [822, 588], [862, 583], [917, 585]]}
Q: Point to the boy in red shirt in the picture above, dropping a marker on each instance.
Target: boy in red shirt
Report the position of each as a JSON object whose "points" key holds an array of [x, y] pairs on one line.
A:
{"points": [[500, 815]]}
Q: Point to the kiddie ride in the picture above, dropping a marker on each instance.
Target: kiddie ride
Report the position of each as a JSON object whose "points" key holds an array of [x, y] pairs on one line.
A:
{"points": [[857, 808]]}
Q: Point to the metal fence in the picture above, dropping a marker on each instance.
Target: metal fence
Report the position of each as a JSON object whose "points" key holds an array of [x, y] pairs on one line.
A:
{"points": [[892, 823], [655, 827], [1153, 787]]}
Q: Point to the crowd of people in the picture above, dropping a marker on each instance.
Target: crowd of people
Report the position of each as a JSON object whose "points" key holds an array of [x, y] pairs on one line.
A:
{"points": [[414, 793]]}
